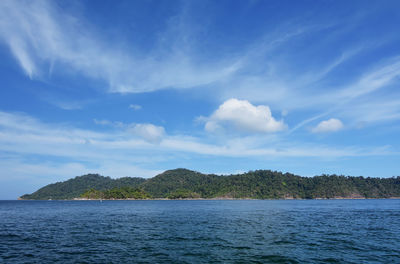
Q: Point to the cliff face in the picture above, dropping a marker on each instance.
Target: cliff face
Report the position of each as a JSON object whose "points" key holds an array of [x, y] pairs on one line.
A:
{"points": [[261, 184]]}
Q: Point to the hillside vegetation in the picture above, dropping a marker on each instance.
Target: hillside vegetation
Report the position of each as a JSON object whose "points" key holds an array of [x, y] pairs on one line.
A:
{"points": [[183, 183], [75, 187]]}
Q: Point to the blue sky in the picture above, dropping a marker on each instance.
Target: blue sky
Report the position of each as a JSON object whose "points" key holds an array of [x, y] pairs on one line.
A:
{"points": [[133, 88]]}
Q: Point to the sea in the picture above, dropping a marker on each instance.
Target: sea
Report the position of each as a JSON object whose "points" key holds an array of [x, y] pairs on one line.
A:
{"points": [[200, 231]]}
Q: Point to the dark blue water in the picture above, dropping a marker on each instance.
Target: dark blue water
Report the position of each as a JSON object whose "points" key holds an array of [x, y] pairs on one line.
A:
{"points": [[314, 231]]}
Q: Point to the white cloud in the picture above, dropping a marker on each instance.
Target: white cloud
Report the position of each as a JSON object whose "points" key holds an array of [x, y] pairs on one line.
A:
{"points": [[135, 106], [331, 125], [357, 100], [115, 124], [67, 105], [38, 153], [37, 174], [374, 80], [19, 50], [103, 122], [241, 115], [149, 132], [382, 109], [44, 38], [21, 134]]}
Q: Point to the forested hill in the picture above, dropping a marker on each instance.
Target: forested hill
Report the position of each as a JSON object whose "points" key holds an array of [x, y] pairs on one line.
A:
{"points": [[73, 188], [183, 183]]}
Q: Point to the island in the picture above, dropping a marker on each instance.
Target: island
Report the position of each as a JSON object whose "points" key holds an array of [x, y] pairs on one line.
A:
{"points": [[188, 184]]}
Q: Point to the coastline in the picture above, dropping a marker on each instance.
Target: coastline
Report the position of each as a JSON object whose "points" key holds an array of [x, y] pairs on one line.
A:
{"points": [[213, 199]]}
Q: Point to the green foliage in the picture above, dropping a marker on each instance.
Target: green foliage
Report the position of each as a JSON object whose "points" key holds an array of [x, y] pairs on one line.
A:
{"points": [[180, 179], [73, 188], [183, 194], [93, 194], [116, 193], [259, 184]]}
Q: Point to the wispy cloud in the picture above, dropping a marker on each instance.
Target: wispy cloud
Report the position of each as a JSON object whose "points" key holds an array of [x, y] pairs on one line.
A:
{"points": [[376, 79], [65, 105], [41, 35], [20, 133], [358, 100], [40, 173], [40, 153], [149, 132], [135, 106], [373, 110], [268, 71]]}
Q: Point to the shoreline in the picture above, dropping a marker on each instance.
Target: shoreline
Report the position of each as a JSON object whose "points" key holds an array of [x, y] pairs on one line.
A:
{"points": [[213, 199]]}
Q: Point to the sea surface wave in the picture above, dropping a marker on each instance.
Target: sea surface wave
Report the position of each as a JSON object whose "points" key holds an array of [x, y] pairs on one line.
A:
{"points": [[239, 231]]}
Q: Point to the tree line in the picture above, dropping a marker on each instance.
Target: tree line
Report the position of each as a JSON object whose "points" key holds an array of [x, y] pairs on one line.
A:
{"points": [[259, 184]]}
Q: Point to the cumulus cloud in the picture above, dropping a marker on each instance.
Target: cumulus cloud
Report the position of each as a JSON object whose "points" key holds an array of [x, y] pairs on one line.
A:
{"points": [[330, 125], [241, 115]]}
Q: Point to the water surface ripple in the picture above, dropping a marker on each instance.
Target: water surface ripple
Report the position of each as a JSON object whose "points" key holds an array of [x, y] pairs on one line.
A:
{"points": [[241, 231]]}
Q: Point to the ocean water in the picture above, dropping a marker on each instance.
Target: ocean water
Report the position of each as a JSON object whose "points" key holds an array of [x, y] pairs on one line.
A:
{"points": [[240, 231]]}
